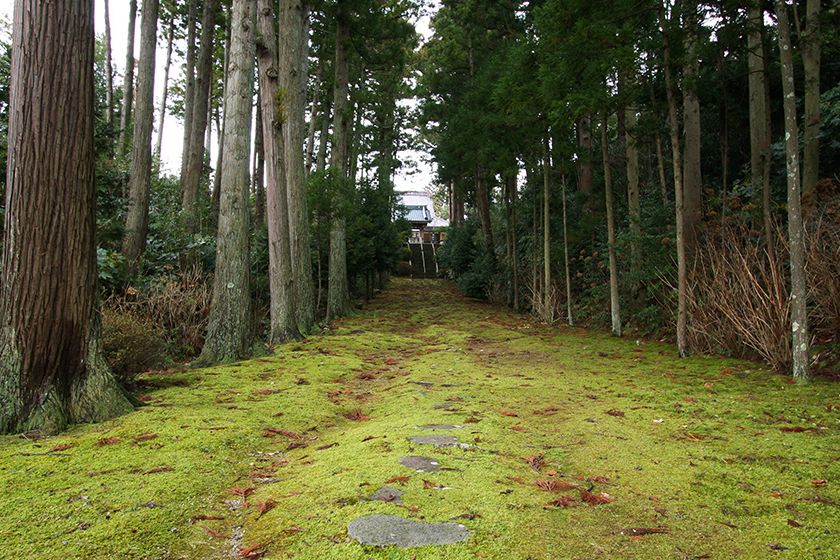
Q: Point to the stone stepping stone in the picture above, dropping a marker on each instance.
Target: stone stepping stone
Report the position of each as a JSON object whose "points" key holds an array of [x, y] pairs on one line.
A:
{"points": [[440, 427], [384, 530], [444, 406], [387, 494], [420, 463], [439, 441]]}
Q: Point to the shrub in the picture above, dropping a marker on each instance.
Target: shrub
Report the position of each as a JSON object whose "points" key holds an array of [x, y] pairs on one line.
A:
{"points": [[131, 344], [175, 304]]}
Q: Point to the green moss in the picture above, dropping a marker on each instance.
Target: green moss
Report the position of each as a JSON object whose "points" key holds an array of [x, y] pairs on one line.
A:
{"points": [[699, 448]]}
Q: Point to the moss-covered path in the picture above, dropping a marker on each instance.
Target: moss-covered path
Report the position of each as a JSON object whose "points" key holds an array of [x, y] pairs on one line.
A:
{"points": [[580, 446]]}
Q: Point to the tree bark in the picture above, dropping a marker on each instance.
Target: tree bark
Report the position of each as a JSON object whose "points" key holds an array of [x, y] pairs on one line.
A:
{"points": [[482, 202], [294, 53], [259, 153], [109, 67], [313, 124], [566, 258], [165, 94], [140, 181], [674, 127], [229, 332], [189, 86], [338, 294], [128, 82], [759, 116], [281, 279], [513, 250], [548, 307], [615, 308], [51, 369], [811, 64], [798, 285], [584, 134], [634, 205], [199, 121], [692, 175]]}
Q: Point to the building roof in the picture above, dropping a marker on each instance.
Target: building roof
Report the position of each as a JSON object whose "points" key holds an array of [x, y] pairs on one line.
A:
{"points": [[419, 207]]}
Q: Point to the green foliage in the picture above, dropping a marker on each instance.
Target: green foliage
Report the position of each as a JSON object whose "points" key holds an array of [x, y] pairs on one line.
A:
{"points": [[131, 344]]}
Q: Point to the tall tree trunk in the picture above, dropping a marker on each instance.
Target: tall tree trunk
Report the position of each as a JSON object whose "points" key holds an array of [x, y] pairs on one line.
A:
{"points": [[513, 252], [281, 279], [109, 67], [692, 175], [338, 295], [615, 309], [634, 205], [189, 86], [798, 286], [128, 81], [759, 115], [674, 126], [199, 121], [584, 134], [140, 180], [52, 372], [313, 124], [229, 332], [811, 63], [548, 305], [566, 258], [482, 202], [294, 53], [165, 94], [220, 126], [259, 150]]}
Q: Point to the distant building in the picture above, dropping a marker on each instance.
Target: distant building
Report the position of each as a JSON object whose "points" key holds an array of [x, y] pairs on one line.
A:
{"points": [[419, 211], [428, 232]]}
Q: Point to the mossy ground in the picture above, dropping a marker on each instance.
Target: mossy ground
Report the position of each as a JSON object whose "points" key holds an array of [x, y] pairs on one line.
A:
{"points": [[700, 449]]}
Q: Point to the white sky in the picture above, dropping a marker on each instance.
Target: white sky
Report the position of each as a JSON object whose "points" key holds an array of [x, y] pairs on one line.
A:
{"points": [[419, 179]]}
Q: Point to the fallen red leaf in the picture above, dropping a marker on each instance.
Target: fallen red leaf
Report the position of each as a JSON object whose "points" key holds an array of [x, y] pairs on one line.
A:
{"points": [[62, 447], [265, 506], [277, 431], [430, 485], [615, 412], [595, 499], [518, 428], [356, 415], [397, 479], [255, 551], [508, 413], [794, 523], [536, 461], [830, 407], [601, 479], [159, 470], [554, 485], [214, 534], [293, 530], [517, 480], [794, 429], [563, 502], [265, 391], [242, 491], [107, 441], [552, 472], [144, 437], [819, 481], [472, 420]]}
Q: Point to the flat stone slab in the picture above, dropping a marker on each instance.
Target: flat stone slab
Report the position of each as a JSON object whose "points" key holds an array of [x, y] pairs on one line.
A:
{"points": [[385, 530], [387, 494], [420, 463], [444, 406], [440, 427], [439, 441]]}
